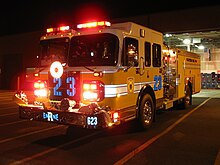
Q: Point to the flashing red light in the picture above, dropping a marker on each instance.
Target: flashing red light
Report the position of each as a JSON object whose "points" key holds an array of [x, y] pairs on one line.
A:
{"points": [[94, 24], [40, 88], [64, 28], [50, 30], [93, 91], [58, 29]]}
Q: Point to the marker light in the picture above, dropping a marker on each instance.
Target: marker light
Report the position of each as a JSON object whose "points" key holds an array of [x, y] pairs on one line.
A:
{"points": [[36, 74], [94, 24], [115, 116], [56, 69], [97, 74]]}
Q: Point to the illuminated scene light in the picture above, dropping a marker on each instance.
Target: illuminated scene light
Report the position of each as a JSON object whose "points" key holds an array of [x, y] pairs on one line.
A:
{"points": [[56, 69]]}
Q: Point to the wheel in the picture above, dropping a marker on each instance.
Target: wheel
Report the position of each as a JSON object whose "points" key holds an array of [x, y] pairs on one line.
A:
{"points": [[146, 112]]}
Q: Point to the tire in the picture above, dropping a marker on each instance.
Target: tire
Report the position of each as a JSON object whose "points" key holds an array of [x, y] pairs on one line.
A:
{"points": [[146, 112]]}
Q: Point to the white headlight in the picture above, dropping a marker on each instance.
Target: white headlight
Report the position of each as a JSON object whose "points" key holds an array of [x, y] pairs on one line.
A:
{"points": [[40, 92]]}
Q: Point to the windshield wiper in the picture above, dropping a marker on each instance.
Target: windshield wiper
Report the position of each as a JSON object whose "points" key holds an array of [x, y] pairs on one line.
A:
{"points": [[92, 70]]}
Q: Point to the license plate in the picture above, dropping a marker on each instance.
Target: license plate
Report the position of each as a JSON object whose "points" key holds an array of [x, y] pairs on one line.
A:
{"points": [[92, 120], [49, 116]]}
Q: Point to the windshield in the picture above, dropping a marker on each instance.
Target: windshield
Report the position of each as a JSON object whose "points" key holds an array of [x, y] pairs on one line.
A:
{"points": [[94, 50], [54, 50]]}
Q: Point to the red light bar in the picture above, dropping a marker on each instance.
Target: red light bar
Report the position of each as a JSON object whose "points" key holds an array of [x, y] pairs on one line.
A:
{"points": [[58, 29], [93, 24], [50, 30], [63, 28]]}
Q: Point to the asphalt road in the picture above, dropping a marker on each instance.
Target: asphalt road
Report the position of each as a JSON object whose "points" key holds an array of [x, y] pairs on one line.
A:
{"points": [[178, 136]]}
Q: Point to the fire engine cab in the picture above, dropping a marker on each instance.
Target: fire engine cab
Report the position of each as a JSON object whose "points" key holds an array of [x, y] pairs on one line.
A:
{"points": [[98, 75]]}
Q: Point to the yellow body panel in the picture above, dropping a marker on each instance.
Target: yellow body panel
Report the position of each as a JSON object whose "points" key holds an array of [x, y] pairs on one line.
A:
{"points": [[188, 67], [120, 78], [126, 84]]}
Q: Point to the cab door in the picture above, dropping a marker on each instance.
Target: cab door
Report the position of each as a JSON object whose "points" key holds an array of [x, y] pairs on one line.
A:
{"points": [[152, 72], [157, 70]]}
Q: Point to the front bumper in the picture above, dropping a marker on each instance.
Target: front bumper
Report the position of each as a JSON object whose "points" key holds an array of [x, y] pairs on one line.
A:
{"points": [[100, 119], [90, 116]]}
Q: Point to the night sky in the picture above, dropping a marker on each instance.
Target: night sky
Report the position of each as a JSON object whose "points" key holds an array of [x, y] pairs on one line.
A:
{"points": [[33, 15]]}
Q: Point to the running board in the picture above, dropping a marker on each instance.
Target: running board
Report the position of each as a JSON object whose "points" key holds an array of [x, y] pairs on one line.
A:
{"points": [[169, 103]]}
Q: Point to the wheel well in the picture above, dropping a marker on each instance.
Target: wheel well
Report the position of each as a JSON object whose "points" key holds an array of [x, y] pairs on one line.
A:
{"points": [[147, 89]]}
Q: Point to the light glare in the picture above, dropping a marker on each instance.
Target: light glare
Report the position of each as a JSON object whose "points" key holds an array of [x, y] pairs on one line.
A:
{"points": [[56, 69]]}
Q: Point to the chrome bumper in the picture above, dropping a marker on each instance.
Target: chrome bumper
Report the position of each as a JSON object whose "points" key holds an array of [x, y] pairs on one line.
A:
{"points": [[90, 116], [100, 119]]}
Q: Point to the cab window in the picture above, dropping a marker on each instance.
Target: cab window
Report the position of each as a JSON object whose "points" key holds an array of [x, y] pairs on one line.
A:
{"points": [[147, 54], [94, 50], [156, 55], [130, 52]]}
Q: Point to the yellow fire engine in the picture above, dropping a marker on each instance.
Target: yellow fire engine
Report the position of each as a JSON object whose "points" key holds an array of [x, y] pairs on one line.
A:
{"points": [[99, 74]]}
